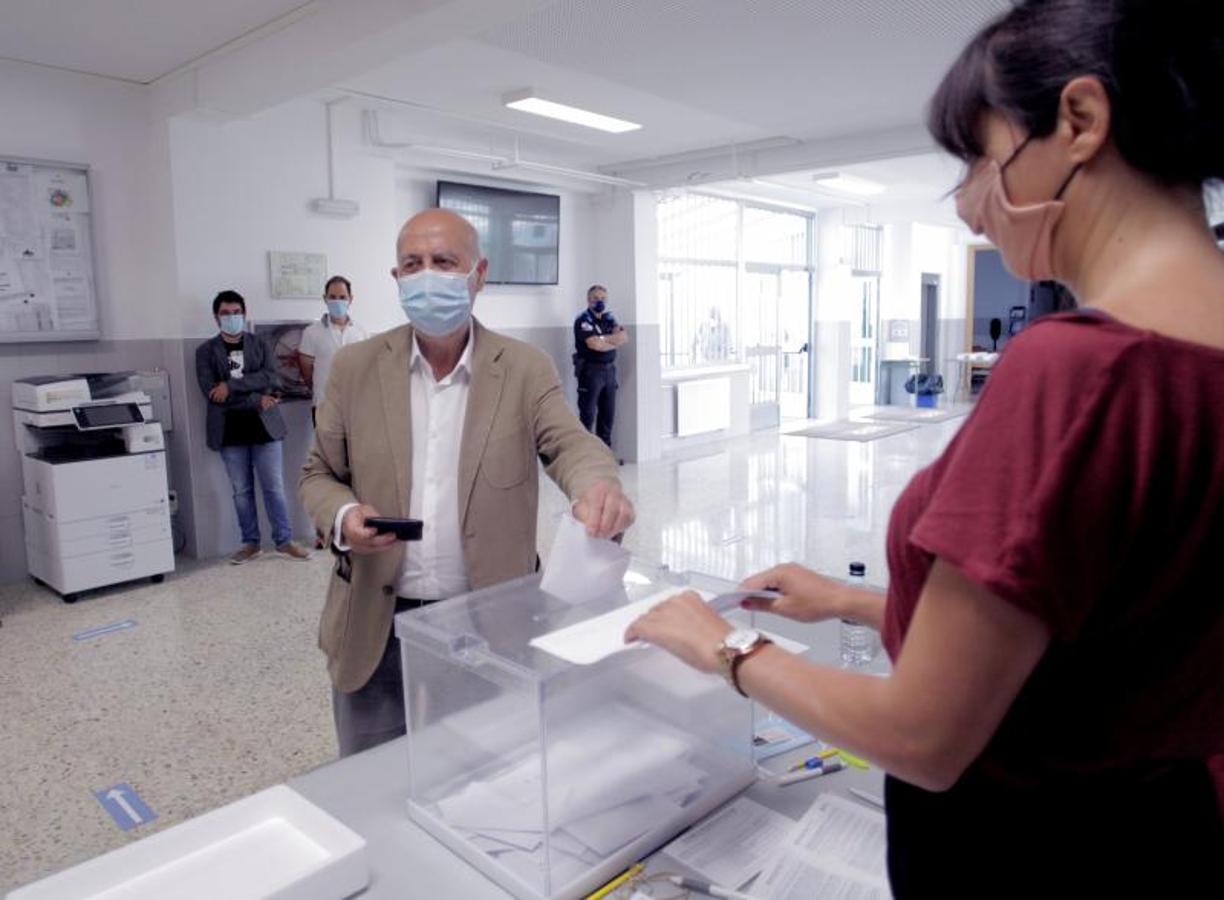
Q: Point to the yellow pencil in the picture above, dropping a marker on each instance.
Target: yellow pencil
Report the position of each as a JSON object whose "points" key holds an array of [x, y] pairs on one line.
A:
{"points": [[853, 760], [616, 882]]}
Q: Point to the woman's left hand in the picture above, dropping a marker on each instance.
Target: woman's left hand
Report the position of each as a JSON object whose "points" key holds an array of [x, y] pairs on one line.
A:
{"points": [[685, 627]]}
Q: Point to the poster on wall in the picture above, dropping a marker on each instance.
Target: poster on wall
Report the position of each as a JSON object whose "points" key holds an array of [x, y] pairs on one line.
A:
{"points": [[47, 281], [283, 339], [297, 276]]}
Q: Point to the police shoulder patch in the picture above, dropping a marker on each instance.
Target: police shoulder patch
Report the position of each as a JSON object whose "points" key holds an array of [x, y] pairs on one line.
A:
{"points": [[587, 326]]}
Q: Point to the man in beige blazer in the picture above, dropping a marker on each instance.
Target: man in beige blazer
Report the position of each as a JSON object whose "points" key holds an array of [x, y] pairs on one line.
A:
{"points": [[440, 420]]}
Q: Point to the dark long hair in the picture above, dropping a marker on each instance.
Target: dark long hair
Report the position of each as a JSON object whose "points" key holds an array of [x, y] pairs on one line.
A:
{"points": [[1161, 63]]}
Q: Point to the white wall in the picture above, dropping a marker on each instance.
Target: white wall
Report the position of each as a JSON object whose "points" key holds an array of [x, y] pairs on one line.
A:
{"points": [[626, 250], [52, 114], [939, 251], [912, 249], [191, 205], [834, 291], [242, 188]]}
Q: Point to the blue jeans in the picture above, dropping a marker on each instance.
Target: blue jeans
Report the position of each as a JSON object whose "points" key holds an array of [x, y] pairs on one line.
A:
{"points": [[242, 463]]}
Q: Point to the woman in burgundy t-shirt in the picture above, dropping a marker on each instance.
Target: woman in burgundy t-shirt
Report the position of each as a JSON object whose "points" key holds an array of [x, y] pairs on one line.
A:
{"points": [[1055, 613]]}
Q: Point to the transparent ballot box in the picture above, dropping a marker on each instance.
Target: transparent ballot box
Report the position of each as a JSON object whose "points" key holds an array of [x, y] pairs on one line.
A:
{"points": [[551, 776]]}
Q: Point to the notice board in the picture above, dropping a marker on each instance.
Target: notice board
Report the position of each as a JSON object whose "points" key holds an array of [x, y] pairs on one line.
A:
{"points": [[48, 286]]}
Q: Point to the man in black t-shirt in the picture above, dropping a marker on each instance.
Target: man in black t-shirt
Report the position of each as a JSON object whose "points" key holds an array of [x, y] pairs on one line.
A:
{"points": [[597, 334], [236, 374]]}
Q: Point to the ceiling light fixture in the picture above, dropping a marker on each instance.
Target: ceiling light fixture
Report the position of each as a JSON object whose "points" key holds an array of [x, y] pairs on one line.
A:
{"points": [[848, 184], [527, 101]]}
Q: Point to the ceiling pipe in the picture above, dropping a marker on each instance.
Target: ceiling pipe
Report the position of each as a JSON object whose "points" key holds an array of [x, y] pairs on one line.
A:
{"points": [[331, 205], [498, 162]]}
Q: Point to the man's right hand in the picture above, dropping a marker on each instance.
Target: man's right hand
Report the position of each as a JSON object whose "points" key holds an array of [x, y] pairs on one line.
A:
{"points": [[219, 393], [360, 537]]}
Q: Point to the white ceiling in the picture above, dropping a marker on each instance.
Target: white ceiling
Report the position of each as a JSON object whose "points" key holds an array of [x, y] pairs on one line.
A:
{"points": [[915, 187], [467, 79], [911, 179], [805, 68], [133, 40], [697, 74]]}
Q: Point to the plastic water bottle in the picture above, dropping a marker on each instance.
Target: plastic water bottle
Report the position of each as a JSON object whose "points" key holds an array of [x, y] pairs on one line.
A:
{"points": [[857, 640]]}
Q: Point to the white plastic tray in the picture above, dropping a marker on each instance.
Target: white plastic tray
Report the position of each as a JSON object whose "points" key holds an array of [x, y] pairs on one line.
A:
{"points": [[274, 844]]}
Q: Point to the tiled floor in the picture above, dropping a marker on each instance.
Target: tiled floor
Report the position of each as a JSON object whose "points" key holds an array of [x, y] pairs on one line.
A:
{"points": [[219, 691]]}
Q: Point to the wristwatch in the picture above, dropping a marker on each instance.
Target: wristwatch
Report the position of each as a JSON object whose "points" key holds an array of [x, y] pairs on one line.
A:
{"points": [[734, 649]]}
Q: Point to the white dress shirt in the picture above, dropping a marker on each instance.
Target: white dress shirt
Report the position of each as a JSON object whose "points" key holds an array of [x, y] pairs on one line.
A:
{"points": [[321, 340], [433, 567]]}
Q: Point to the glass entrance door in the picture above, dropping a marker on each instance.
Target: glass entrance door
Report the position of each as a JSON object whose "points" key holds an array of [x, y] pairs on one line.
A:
{"points": [[795, 320], [864, 325], [762, 350]]}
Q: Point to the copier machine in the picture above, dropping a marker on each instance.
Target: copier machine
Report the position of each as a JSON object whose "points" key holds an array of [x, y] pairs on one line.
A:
{"points": [[93, 463]]}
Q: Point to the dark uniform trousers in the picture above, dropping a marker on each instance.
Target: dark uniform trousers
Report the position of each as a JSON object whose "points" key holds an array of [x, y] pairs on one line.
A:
{"points": [[597, 398]]}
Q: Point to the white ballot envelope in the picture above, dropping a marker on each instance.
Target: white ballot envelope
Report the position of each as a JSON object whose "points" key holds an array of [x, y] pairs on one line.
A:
{"points": [[587, 642]]}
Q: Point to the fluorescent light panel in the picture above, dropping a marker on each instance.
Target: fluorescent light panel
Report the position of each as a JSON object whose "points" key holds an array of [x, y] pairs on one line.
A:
{"points": [[529, 103], [848, 184]]}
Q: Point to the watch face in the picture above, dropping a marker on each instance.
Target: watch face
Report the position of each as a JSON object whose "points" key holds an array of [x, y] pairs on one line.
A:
{"points": [[741, 639]]}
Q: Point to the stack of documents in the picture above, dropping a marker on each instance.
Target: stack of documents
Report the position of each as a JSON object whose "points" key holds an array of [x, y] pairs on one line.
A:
{"points": [[837, 850], [610, 780], [734, 844]]}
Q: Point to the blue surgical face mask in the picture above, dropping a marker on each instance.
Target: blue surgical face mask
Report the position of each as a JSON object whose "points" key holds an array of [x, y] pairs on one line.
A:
{"points": [[232, 324], [599, 306], [338, 309], [436, 303]]}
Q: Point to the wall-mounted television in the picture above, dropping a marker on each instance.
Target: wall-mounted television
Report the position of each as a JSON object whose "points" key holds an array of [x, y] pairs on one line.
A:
{"points": [[519, 230]]}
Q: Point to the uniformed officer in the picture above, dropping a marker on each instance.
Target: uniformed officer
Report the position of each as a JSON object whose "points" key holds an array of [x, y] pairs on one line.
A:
{"points": [[596, 337]]}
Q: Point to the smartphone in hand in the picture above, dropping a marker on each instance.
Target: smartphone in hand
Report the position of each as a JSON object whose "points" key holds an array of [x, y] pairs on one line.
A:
{"points": [[403, 529]]}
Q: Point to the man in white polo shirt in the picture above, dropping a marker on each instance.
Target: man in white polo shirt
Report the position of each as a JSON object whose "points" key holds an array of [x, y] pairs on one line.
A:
{"points": [[321, 340]]}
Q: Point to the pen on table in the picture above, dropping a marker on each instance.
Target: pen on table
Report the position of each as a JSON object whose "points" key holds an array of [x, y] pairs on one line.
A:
{"points": [[827, 767], [868, 798], [704, 887], [854, 760], [813, 762], [616, 882]]}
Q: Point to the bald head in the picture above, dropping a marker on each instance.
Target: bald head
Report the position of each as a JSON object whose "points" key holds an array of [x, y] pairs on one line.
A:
{"points": [[437, 239]]}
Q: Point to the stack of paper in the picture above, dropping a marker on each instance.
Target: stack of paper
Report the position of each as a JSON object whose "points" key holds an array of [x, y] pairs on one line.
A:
{"points": [[837, 851], [610, 780], [733, 845]]}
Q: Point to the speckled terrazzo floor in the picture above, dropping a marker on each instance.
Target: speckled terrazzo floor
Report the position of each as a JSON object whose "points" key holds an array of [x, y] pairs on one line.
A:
{"points": [[219, 691]]}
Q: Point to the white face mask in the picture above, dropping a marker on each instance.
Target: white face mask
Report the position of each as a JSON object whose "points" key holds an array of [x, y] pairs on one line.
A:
{"points": [[437, 303]]}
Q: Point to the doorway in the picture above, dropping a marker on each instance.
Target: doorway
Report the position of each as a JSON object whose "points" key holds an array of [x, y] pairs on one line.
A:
{"points": [[929, 325], [777, 347], [864, 326]]}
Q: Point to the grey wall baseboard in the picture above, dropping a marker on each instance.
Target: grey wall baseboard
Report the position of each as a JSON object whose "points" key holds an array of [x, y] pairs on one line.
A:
{"points": [[206, 516]]}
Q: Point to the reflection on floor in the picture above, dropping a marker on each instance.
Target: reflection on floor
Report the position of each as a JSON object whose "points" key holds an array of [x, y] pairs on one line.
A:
{"points": [[218, 690]]}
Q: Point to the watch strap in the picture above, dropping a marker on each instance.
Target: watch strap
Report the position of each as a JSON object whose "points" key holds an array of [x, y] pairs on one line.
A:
{"points": [[738, 660]]}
